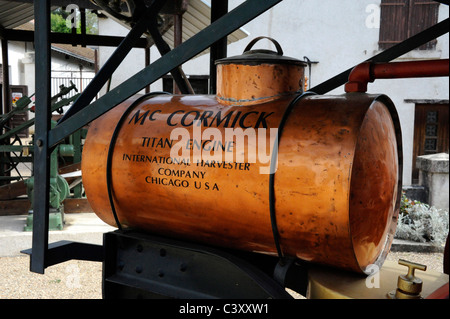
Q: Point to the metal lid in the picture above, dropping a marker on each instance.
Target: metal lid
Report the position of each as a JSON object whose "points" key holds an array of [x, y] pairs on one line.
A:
{"points": [[256, 57]]}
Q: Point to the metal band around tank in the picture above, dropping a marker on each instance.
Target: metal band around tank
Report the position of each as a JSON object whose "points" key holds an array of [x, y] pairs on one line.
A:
{"points": [[111, 150], [273, 163]]}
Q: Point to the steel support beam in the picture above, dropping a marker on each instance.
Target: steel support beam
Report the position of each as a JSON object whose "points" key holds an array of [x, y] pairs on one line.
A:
{"points": [[42, 127], [6, 99], [68, 38], [4, 103], [232, 21], [219, 49]]}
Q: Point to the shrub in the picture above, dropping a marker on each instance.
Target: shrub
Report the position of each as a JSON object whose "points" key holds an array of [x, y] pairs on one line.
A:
{"points": [[420, 222]]}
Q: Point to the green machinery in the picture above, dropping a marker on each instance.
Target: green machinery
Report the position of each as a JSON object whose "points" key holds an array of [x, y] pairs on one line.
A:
{"points": [[12, 152]]}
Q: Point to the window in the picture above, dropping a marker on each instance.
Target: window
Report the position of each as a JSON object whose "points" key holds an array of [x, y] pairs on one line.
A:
{"points": [[401, 19], [430, 131]]}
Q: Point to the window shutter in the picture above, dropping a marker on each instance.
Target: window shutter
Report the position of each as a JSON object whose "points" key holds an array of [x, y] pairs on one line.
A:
{"points": [[393, 22], [423, 15], [401, 19]]}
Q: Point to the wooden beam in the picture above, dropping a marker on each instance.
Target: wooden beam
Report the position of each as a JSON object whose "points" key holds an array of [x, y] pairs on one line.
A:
{"points": [[21, 206], [13, 190]]}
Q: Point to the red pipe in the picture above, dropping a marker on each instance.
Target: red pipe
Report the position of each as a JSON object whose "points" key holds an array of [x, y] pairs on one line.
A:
{"points": [[368, 72]]}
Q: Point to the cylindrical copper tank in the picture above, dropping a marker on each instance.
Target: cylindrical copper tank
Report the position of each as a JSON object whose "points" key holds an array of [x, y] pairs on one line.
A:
{"points": [[336, 188]]}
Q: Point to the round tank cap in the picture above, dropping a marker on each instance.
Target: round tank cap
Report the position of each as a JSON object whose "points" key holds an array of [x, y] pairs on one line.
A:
{"points": [[259, 56]]}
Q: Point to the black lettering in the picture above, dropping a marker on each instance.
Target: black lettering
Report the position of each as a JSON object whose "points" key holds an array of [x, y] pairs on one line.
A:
{"points": [[236, 118], [168, 143], [241, 121], [138, 118], [262, 120], [219, 120], [203, 145], [160, 143], [183, 120], [203, 118], [219, 145], [144, 139], [170, 117]]}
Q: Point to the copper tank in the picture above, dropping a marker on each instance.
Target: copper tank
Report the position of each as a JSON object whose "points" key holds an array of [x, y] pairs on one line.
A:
{"points": [[336, 187]]}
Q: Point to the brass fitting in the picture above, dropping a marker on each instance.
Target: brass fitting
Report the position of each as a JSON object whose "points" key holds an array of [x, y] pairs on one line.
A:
{"points": [[408, 286]]}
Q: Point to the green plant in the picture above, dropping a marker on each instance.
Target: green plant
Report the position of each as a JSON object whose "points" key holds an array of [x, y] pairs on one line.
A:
{"points": [[406, 204], [420, 222], [60, 24]]}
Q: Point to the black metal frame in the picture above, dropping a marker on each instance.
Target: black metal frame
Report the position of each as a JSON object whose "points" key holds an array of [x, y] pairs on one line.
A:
{"points": [[83, 113], [139, 266]]}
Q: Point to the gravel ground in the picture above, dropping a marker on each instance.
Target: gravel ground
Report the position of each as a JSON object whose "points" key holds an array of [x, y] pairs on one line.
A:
{"points": [[82, 279]]}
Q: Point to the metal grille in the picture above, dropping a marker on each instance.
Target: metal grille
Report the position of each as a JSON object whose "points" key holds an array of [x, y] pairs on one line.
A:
{"points": [[65, 77]]}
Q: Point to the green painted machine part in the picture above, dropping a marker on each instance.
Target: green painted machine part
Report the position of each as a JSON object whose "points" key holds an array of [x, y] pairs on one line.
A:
{"points": [[59, 189], [70, 151]]}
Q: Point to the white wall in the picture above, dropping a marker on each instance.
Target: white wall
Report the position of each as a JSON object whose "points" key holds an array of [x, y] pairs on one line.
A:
{"points": [[15, 54], [338, 34], [134, 61]]}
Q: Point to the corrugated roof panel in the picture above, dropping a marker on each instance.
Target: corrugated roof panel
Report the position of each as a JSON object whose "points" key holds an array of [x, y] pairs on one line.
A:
{"points": [[14, 17], [198, 12], [14, 14]]}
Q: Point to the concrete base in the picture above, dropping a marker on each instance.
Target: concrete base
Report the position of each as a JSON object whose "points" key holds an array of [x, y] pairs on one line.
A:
{"points": [[400, 245]]}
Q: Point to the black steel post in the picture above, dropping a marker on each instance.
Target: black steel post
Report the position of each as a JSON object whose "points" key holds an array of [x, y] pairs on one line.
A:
{"points": [[5, 103], [42, 126], [147, 63], [219, 49], [83, 25], [5, 73]]}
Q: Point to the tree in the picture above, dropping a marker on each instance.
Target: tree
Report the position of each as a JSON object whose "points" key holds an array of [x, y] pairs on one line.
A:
{"points": [[60, 21]]}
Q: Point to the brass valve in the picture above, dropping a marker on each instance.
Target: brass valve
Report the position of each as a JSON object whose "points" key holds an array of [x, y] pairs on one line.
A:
{"points": [[408, 286]]}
